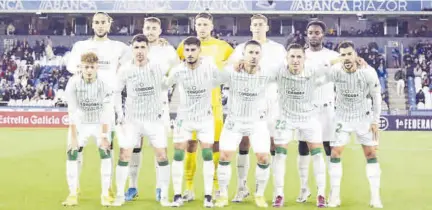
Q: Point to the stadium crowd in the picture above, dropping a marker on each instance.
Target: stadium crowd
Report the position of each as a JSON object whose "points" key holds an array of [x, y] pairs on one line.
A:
{"points": [[35, 75]]}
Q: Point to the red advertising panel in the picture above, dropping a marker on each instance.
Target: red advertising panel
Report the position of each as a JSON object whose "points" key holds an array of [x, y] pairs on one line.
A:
{"points": [[38, 119]]}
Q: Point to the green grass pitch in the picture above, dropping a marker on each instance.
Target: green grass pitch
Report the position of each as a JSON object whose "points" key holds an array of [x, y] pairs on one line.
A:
{"points": [[32, 165]]}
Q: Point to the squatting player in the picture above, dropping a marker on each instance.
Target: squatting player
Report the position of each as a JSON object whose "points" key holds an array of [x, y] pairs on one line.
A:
{"points": [[162, 53], [246, 117], [143, 79], [194, 78], [323, 101], [110, 54], [272, 53], [89, 106], [353, 115], [220, 51]]}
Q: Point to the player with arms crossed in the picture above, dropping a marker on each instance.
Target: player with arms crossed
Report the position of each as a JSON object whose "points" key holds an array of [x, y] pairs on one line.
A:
{"points": [[162, 53], [353, 115], [110, 53], [143, 79], [220, 51], [247, 96], [272, 53], [89, 108], [323, 100], [194, 78]]}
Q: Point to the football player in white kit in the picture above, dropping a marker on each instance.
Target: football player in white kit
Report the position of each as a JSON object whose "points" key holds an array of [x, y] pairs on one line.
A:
{"points": [[246, 117], [162, 53], [323, 101], [272, 53], [89, 107], [353, 115], [144, 80], [194, 78], [110, 53]]}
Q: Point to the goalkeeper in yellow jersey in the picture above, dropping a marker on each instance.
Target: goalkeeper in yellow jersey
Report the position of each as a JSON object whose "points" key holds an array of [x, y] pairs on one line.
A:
{"points": [[220, 51]]}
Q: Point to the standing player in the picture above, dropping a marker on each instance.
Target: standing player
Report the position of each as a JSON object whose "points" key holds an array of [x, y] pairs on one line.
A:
{"points": [[110, 53], [143, 79], [246, 117], [272, 52], [194, 78], [324, 101], [353, 115], [296, 82], [220, 51], [162, 54], [89, 107]]}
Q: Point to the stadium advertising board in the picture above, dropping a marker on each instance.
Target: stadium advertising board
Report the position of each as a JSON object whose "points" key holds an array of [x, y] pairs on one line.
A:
{"points": [[215, 6], [46, 118]]}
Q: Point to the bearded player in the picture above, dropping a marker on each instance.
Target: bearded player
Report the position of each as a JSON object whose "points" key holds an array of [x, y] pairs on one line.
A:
{"points": [[110, 54], [353, 115], [272, 53], [220, 51], [162, 53], [324, 102]]}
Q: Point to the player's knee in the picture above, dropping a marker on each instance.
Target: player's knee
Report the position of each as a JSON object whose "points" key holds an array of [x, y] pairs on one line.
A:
{"points": [[161, 156], [125, 155], [104, 154], [370, 155], [192, 146], [303, 148], [207, 154], [136, 150], [224, 156], [336, 152], [216, 146], [179, 155], [327, 148], [72, 155]]}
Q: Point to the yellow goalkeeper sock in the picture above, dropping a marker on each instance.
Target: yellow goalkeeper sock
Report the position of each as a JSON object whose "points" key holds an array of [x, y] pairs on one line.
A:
{"points": [[216, 156], [190, 168]]}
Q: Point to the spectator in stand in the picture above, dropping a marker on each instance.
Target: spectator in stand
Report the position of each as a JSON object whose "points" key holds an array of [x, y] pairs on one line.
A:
{"points": [[420, 99], [50, 93], [396, 58], [62, 83], [400, 78], [10, 30], [385, 98]]}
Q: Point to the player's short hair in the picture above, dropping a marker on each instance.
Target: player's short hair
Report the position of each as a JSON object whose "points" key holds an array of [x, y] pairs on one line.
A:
{"points": [[89, 57], [205, 15], [192, 41], [345, 44], [295, 46], [259, 17], [139, 38], [252, 42], [110, 19], [319, 23], [152, 20]]}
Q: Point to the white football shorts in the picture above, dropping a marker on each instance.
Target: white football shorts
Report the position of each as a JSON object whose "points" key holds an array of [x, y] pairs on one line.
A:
{"points": [[309, 131], [183, 130]]}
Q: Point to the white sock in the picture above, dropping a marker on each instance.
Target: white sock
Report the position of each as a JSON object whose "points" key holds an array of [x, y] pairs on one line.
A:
{"points": [[242, 170], [177, 176], [157, 173], [278, 167], [373, 172], [72, 176], [134, 169], [224, 177], [122, 173], [319, 172], [335, 178], [106, 173], [208, 173], [163, 178], [262, 177], [303, 162], [80, 161]]}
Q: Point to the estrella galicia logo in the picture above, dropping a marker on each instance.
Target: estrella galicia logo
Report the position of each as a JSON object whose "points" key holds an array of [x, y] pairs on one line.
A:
{"points": [[383, 123]]}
